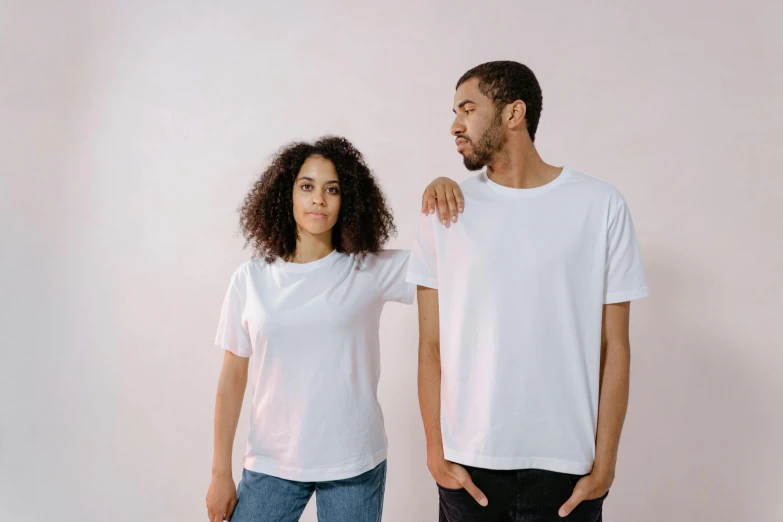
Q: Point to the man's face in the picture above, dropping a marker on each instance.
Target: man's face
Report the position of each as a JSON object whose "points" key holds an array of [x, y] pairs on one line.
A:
{"points": [[478, 126]]}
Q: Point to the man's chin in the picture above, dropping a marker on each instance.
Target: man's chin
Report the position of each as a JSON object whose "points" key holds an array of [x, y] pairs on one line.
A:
{"points": [[471, 164]]}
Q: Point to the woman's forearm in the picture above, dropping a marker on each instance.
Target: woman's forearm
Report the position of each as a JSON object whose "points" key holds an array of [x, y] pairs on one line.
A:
{"points": [[228, 406]]}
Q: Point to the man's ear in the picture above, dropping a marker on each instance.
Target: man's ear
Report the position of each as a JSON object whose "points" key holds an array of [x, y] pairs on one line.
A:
{"points": [[516, 114]]}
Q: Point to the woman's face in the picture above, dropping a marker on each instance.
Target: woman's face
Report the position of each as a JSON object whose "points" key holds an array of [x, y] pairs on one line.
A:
{"points": [[316, 196]]}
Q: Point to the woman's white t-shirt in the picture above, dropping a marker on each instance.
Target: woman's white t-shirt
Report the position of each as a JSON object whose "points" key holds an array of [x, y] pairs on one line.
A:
{"points": [[312, 330]]}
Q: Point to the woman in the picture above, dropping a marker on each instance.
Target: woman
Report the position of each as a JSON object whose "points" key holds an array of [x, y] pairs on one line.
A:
{"points": [[308, 310]]}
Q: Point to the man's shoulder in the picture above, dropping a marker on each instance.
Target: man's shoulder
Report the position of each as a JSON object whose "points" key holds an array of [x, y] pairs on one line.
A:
{"points": [[471, 184], [592, 186]]}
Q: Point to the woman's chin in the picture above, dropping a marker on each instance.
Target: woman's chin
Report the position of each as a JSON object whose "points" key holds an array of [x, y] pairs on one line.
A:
{"points": [[318, 230]]}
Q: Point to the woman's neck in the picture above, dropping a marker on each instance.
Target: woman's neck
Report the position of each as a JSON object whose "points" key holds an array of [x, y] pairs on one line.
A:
{"points": [[311, 248]]}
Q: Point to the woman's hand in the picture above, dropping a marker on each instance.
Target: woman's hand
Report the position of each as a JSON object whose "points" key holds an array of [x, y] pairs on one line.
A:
{"points": [[447, 196], [221, 498]]}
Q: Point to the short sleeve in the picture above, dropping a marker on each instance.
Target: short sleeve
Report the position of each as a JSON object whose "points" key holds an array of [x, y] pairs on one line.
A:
{"points": [[625, 280], [232, 332], [422, 267], [389, 268]]}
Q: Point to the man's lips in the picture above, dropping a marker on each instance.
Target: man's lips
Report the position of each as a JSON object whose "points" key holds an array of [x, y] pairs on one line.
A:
{"points": [[461, 142]]}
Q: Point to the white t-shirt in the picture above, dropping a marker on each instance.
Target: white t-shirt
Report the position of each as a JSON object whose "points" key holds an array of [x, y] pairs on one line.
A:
{"points": [[522, 278], [312, 330]]}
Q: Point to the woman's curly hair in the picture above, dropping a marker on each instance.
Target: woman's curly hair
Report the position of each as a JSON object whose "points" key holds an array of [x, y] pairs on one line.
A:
{"points": [[364, 222]]}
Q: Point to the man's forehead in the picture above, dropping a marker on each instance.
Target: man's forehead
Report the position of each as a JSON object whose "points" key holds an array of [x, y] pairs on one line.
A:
{"points": [[468, 89], [467, 94]]}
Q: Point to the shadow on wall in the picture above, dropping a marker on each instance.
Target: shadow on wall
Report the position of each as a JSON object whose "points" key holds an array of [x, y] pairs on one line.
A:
{"points": [[698, 433]]}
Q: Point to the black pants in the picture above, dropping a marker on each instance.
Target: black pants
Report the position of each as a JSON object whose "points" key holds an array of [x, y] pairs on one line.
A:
{"points": [[528, 495]]}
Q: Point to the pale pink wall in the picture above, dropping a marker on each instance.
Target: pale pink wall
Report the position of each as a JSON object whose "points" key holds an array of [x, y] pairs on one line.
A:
{"points": [[131, 131]]}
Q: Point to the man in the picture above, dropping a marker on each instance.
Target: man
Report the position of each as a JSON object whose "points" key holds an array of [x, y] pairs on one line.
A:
{"points": [[524, 351]]}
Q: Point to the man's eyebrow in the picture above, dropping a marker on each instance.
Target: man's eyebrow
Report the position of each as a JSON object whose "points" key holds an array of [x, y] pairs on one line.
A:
{"points": [[462, 104]]}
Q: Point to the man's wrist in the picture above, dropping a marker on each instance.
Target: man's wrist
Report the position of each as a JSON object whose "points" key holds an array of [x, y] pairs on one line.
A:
{"points": [[434, 445], [435, 451], [603, 470]]}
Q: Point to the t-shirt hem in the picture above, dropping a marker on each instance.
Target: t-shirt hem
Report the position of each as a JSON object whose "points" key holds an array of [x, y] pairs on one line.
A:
{"points": [[410, 294], [422, 280], [272, 468], [235, 351], [628, 295], [508, 463]]}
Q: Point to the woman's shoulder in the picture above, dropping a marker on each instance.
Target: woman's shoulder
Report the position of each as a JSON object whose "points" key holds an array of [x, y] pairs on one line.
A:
{"points": [[385, 260], [250, 270], [389, 255]]}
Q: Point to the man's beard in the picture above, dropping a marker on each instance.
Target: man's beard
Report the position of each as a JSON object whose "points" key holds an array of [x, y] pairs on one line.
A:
{"points": [[490, 143]]}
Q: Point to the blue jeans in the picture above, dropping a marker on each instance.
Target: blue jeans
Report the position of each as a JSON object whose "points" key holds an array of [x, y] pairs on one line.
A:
{"points": [[263, 498]]}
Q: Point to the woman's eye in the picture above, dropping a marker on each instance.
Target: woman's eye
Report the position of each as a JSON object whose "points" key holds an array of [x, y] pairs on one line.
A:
{"points": [[306, 186], [333, 190]]}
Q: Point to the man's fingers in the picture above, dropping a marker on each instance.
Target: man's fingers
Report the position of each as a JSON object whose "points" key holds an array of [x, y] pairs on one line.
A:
{"points": [[576, 498], [475, 492], [464, 479]]}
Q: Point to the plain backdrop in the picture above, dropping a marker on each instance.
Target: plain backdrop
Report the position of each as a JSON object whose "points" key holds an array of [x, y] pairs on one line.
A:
{"points": [[131, 131]]}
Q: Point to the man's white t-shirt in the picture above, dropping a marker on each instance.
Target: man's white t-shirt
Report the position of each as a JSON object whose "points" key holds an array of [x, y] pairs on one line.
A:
{"points": [[522, 278], [312, 330]]}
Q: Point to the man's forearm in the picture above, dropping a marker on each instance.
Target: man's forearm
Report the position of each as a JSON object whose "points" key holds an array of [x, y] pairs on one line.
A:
{"points": [[429, 397], [228, 405], [613, 404]]}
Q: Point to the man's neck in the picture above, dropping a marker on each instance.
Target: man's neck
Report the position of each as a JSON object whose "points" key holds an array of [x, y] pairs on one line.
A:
{"points": [[521, 167]]}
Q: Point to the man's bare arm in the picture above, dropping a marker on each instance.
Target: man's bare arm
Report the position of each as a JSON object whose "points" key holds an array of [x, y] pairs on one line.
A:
{"points": [[612, 406], [614, 386], [447, 474]]}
